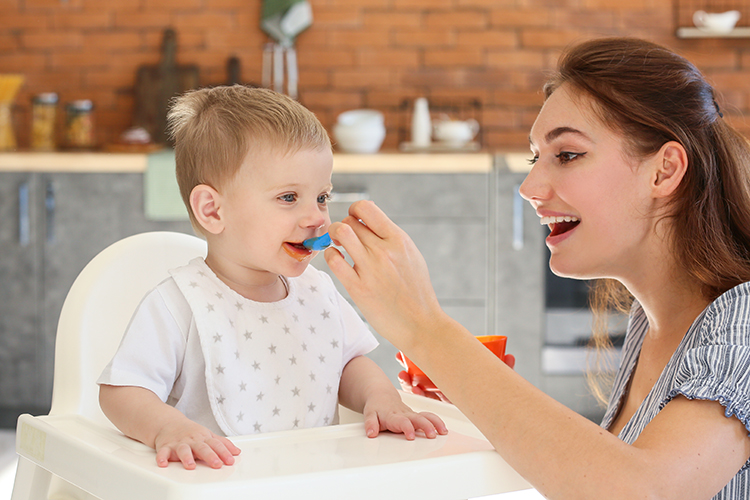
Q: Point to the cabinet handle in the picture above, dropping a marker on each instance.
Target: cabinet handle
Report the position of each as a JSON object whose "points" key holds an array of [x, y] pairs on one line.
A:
{"points": [[49, 207], [518, 203], [350, 197], [24, 217]]}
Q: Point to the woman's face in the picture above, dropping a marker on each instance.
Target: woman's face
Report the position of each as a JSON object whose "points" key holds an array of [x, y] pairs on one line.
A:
{"points": [[593, 196]]}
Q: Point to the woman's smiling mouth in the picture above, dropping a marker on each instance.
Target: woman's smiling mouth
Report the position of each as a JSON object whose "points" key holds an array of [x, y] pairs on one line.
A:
{"points": [[560, 224]]}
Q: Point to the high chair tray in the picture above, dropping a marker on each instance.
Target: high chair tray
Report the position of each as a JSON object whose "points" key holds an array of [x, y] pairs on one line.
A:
{"points": [[329, 462]]}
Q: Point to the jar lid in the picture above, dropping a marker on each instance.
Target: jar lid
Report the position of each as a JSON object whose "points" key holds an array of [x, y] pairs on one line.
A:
{"points": [[46, 98], [81, 105]]}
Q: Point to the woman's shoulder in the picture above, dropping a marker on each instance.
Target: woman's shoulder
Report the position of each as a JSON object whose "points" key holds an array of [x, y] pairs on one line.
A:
{"points": [[728, 317], [735, 300]]}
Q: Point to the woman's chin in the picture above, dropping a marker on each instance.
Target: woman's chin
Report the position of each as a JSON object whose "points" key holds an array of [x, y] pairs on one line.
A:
{"points": [[568, 270]]}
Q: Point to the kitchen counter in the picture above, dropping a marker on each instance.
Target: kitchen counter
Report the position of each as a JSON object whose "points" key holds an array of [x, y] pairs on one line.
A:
{"points": [[73, 162], [384, 162]]}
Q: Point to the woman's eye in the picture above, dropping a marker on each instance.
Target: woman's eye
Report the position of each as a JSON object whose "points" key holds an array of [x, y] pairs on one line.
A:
{"points": [[567, 156], [533, 160], [324, 198], [288, 198]]}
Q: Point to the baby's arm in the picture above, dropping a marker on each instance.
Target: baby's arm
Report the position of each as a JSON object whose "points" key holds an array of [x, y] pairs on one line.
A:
{"points": [[365, 388], [141, 415]]}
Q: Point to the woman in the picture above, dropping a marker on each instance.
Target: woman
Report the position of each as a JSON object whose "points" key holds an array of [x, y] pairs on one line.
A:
{"points": [[641, 181]]}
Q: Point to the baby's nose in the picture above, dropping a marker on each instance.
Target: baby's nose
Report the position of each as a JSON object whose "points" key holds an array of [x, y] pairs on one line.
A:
{"points": [[315, 218]]}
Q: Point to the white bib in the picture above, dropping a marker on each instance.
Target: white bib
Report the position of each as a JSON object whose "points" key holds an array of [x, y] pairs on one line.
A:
{"points": [[270, 366]]}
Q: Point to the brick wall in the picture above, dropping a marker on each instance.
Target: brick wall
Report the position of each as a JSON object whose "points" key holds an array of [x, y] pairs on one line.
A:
{"points": [[358, 53]]}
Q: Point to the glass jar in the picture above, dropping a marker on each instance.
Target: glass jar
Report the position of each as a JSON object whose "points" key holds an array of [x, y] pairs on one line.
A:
{"points": [[43, 114], [79, 124], [7, 135]]}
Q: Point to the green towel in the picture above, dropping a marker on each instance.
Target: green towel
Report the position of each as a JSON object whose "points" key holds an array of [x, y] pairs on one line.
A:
{"points": [[283, 20], [162, 200]]}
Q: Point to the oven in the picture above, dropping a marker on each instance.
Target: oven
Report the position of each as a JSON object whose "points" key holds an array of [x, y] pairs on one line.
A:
{"points": [[568, 325]]}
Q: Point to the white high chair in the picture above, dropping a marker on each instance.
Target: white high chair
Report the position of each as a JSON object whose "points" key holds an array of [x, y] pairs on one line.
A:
{"points": [[76, 453]]}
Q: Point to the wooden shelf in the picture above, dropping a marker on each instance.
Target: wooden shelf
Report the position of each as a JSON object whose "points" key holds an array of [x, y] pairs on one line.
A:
{"points": [[685, 32]]}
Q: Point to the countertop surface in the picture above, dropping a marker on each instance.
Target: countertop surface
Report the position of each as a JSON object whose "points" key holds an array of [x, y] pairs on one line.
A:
{"points": [[384, 162]]}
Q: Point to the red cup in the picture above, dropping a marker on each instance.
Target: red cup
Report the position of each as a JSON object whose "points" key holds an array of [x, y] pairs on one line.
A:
{"points": [[495, 343]]}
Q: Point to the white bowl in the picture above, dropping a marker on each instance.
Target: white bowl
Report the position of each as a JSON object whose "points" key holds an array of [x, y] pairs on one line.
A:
{"points": [[361, 117], [720, 23], [358, 139]]}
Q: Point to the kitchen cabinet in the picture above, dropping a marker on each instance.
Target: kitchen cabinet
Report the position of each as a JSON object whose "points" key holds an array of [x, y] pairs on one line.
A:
{"points": [[53, 224], [20, 263], [518, 269]]}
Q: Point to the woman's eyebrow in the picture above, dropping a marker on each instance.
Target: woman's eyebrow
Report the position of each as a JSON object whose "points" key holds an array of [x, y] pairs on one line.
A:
{"points": [[557, 132]]}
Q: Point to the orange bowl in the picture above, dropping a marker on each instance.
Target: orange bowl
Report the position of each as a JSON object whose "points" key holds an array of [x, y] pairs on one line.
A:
{"points": [[495, 343]]}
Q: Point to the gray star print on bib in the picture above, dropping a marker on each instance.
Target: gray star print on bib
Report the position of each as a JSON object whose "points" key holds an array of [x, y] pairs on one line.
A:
{"points": [[269, 366]]}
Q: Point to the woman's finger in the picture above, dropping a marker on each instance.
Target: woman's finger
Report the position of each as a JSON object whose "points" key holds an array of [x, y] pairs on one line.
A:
{"points": [[373, 218], [344, 235], [340, 266]]}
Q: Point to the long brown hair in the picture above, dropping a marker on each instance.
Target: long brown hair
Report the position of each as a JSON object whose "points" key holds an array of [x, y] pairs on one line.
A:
{"points": [[650, 95]]}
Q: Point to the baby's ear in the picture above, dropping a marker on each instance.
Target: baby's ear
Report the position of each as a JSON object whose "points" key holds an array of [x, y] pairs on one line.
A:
{"points": [[205, 202]]}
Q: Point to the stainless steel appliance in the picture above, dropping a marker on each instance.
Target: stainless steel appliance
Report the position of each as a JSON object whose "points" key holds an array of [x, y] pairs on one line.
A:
{"points": [[568, 326]]}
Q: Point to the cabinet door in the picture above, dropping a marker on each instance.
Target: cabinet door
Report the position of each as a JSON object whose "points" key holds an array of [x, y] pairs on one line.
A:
{"points": [[20, 289], [83, 214], [517, 246], [445, 214]]}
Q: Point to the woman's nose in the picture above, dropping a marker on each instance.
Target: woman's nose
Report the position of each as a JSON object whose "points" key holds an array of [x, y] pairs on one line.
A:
{"points": [[535, 186]]}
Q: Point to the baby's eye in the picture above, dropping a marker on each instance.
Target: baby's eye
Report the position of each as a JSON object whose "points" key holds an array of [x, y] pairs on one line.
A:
{"points": [[324, 198], [568, 156], [288, 197]]}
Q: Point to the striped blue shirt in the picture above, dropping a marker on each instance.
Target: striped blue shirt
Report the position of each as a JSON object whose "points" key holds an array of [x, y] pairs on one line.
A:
{"points": [[712, 362]]}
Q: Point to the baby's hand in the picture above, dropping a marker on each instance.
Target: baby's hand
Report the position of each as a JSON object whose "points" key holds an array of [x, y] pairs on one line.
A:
{"points": [[185, 441], [386, 413]]}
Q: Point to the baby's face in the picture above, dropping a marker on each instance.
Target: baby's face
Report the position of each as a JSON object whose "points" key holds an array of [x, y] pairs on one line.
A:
{"points": [[275, 202]]}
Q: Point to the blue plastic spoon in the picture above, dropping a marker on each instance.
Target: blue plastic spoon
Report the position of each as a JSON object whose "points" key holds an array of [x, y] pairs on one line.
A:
{"points": [[318, 243]]}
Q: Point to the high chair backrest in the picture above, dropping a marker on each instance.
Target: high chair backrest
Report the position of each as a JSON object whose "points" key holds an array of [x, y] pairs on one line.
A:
{"points": [[99, 306]]}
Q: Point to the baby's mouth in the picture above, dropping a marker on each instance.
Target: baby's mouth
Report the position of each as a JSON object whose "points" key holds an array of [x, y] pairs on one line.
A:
{"points": [[560, 224], [296, 250]]}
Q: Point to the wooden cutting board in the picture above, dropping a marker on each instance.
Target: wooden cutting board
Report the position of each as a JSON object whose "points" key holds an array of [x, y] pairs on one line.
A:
{"points": [[157, 84]]}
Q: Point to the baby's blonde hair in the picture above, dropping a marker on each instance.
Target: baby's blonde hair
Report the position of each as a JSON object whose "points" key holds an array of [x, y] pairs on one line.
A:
{"points": [[214, 129]]}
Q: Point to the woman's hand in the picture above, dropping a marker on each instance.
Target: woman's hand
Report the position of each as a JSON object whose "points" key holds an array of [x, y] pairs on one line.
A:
{"points": [[408, 385], [389, 280]]}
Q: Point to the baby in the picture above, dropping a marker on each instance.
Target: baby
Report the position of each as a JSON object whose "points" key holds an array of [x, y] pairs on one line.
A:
{"points": [[251, 339]]}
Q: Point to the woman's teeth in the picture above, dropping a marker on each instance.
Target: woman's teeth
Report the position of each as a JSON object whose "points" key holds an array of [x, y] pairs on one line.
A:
{"points": [[560, 224], [548, 221]]}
